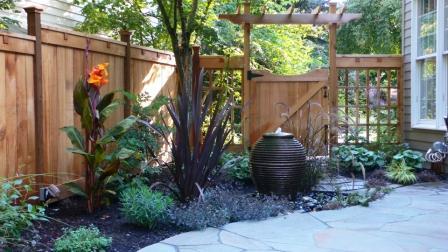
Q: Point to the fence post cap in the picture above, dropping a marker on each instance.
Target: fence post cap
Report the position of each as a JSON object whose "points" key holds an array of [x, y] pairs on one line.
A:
{"points": [[33, 9], [125, 32]]}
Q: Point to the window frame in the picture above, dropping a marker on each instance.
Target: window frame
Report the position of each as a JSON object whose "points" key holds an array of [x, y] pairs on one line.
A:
{"points": [[441, 58]]}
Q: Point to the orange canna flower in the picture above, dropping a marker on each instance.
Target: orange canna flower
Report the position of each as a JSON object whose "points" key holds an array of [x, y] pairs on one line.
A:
{"points": [[98, 75]]}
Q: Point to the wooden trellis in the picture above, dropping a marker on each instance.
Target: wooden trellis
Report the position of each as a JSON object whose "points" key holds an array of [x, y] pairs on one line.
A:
{"points": [[316, 17]]}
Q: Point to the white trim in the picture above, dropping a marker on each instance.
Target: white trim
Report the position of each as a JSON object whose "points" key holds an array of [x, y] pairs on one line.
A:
{"points": [[441, 69], [426, 56]]}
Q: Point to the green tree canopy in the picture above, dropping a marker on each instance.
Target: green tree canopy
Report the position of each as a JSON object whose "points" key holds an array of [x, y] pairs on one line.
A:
{"points": [[281, 49], [6, 21], [377, 32]]}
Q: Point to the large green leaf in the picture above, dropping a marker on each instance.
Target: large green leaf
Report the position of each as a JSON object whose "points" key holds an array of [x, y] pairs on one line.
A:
{"points": [[75, 136], [124, 153], [86, 116], [89, 157], [105, 101], [100, 154], [108, 110], [80, 97], [118, 130], [76, 189]]}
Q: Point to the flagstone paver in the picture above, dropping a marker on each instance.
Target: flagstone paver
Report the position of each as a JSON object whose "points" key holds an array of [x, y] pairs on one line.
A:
{"points": [[412, 218]]}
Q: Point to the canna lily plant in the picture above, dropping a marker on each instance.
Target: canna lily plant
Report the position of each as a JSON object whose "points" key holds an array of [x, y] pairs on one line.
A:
{"points": [[95, 144]]}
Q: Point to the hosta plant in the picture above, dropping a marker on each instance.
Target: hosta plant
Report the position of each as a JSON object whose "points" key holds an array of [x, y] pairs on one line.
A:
{"points": [[412, 158], [353, 158], [96, 145]]}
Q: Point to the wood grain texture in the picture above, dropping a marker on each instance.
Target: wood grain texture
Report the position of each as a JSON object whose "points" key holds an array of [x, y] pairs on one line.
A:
{"points": [[294, 103], [61, 65], [299, 18]]}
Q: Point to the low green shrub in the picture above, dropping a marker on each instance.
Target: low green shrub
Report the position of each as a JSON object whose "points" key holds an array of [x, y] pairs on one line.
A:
{"points": [[142, 206], [353, 159], [82, 239], [237, 165], [412, 158], [220, 206], [389, 149], [353, 199], [16, 213], [401, 173]]}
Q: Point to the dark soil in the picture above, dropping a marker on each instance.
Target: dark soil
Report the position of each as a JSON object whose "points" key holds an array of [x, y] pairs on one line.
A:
{"points": [[126, 237], [71, 213]]}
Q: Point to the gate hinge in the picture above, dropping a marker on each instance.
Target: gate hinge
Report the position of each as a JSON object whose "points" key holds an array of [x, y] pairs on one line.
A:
{"points": [[251, 75]]}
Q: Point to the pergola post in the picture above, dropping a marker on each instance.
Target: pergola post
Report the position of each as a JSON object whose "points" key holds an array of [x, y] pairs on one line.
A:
{"points": [[246, 82], [333, 78]]}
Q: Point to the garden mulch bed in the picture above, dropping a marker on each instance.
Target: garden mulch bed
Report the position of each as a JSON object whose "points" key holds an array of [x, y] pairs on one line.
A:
{"points": [[125, 237]]}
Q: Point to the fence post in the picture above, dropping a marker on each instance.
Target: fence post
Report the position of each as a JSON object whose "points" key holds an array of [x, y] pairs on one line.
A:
{"points": [[333, 78], [34, 29], [125, 36]]}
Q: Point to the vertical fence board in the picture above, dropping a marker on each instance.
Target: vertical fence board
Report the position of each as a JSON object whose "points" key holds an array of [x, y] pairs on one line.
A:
{"points": [[63, 65], [3, 164], [31, 137], [11, 115]]}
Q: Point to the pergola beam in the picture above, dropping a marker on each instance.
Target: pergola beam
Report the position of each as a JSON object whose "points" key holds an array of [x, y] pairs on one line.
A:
{"points": [[299, 18]]}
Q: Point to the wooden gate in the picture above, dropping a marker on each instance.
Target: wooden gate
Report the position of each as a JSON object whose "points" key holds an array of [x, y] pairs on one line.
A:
{"points": [[295, 103]]}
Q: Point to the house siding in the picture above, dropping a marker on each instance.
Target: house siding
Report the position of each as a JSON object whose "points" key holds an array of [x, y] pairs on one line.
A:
{"points": [[57, 13], [419, 139]]}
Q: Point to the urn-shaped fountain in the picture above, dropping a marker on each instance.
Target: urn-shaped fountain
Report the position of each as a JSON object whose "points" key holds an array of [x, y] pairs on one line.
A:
{"points": [[277, 164]]}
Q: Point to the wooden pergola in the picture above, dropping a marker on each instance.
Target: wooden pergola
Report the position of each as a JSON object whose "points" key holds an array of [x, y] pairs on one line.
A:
{"points": [[334, 18]]}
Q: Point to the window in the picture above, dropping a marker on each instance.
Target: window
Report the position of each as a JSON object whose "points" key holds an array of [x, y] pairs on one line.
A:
{"points": [[427, 26], [429, 63], [446, 25], [427, 70]]}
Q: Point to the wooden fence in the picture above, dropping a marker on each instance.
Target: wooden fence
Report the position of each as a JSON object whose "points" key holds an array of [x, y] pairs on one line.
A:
{"points": [[38, 72], [37, 75]]}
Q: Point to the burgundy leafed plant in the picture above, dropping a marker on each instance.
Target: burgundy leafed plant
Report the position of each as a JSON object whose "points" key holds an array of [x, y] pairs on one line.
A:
{"points": [[196, 148]]}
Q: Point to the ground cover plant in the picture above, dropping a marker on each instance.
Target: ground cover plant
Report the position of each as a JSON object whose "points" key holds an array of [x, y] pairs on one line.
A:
{"points": [[219, 206], [17, 213], [427, 176], [82, 239]]}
